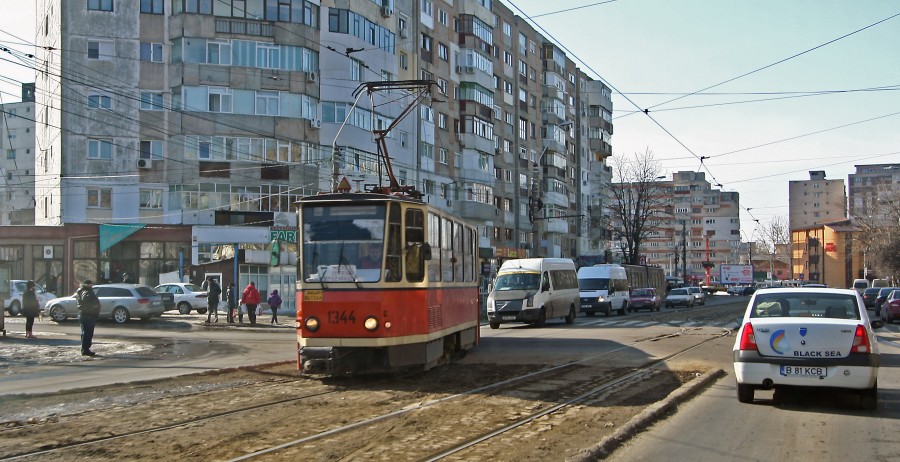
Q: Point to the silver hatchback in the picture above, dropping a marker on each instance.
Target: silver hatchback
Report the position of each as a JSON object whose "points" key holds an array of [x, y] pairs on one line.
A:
{"points": [[119, 302]]}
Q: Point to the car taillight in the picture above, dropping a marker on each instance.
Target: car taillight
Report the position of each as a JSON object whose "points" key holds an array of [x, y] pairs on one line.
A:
{"points": [[748, 340], [860, 341], [143, 300]]}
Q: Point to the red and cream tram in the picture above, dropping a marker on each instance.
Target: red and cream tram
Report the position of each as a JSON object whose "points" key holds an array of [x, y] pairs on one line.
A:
{"points": [[385, 281]]}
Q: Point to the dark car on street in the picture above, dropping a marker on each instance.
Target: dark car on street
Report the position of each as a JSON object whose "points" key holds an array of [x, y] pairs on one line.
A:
{"points": [[883, 293], [869, 295], [645, 298]]}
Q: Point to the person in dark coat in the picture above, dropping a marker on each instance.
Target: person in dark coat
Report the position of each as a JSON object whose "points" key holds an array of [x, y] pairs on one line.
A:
{"points": [[88, 313], [213, 291], [274, 302], [30, 308], [231, 296]]}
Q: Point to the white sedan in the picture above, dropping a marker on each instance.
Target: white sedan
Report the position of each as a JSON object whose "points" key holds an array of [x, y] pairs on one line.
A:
{"points": [[806, 337], [187, 296]]}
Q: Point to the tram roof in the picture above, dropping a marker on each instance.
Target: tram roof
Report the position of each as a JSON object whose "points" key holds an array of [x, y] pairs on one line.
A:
{"points": [[358, 197]]}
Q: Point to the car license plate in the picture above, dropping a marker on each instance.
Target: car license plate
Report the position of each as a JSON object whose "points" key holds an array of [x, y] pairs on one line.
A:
{"points": [[509, 318], [585, 306], [803, 371]]}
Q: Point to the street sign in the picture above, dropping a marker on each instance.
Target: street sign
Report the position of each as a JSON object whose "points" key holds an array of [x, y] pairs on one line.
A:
{"points": [[286, 235]]}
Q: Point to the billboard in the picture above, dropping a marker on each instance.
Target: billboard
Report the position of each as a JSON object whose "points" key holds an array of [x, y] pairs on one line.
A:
{"points": [[736, 274]]}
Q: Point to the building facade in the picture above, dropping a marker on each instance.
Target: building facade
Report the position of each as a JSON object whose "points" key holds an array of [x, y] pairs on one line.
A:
{"points": [[871, 187], [826, 254], [697, 227], [815, 201], [17, 160], [223, 113]]}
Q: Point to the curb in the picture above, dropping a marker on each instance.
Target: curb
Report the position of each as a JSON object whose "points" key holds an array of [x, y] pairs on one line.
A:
{"points": [[647, 417]]}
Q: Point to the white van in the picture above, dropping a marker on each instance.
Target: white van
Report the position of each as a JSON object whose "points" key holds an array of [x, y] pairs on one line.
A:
{"points": [[532, 290], [603, 288], [860, 285]]}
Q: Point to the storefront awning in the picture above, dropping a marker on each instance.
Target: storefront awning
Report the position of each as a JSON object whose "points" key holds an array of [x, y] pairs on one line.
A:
{"points": [[111, 235]]}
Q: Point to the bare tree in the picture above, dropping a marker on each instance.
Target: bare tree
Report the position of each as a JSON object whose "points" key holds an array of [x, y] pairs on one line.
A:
{"points": [[638, 202], [771, 237]]}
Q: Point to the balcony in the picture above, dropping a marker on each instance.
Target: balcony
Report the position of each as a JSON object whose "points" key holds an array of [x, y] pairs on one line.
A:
{"points": [[478, 211], [600, 148], [472, 141]]}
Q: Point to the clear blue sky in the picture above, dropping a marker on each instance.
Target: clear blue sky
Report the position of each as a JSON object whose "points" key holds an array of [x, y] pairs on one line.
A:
{"points": [[657, 50]]}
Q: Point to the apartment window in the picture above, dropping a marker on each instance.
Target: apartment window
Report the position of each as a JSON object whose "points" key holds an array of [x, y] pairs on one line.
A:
{"points": [[99, 102], [404, 61], [102, 50], [427, 8], [151, 101], [403, 138], [442, 155], [442, 17], [100, 5], [151, 149], [10, 153], [219, 99], [99, 149], [152, 52], [151, 198], [442, 120], [426, 42], [268, 56], [152, 6], [267, 103], [442, 84], [356, 67], [507, 29], [443, 52], [99, 198], [218, 53]]}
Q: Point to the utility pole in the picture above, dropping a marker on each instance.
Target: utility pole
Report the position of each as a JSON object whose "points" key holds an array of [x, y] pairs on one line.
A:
{"points": [[684, 250]]}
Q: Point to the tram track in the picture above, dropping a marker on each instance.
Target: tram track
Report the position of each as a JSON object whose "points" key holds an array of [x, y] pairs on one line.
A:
{"points": [[357, 407]]}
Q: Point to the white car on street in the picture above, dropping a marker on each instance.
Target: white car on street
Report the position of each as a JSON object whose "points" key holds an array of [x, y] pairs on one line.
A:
{"points": [[807, 337], [187, 296]]}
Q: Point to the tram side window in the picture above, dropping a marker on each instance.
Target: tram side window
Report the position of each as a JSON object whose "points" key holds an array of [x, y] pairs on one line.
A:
{"points": [[394, 247], [468, 255], [434, 239], [446, 250], [415, 237], [458, 250]]}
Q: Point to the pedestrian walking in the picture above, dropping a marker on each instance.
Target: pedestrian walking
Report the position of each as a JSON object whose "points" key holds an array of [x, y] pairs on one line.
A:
{"points": [[30, 308], [213, 291], [251, 298], [88, 312], [274, 302], [231, 296]]}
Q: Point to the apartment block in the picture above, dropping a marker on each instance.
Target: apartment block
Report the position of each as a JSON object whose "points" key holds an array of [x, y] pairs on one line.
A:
{"points": [[815, 201], [17, 165]]}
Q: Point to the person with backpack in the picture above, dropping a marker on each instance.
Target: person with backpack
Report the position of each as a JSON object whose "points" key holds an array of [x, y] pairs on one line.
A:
{"points": [[88, 313], [213, 291], [31, 308], [274, 302]]}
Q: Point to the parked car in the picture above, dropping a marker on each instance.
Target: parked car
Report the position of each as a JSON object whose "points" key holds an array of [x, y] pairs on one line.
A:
{"points": [[890, 309], [13, 304], [119, 302], [680, 297], [644, 298], [882, 296], [807, 337], [869, 295], [699, 295], [187, 296]]}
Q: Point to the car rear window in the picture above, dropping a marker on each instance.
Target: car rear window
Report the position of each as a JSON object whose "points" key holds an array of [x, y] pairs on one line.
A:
{"points": [[798, 305], [145, 291]]}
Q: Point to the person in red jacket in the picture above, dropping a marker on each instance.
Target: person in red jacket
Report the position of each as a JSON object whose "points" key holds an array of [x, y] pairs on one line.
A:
{"points": [[250, 297]]}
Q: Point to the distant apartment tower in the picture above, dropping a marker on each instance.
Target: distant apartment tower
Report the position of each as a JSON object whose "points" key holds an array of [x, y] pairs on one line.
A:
{"points": [[17, 160], [815, 201], [872, 190], [694, 217]]}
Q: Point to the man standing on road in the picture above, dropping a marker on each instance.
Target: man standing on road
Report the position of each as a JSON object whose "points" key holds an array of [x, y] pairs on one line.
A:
{"points": [[231, 296], [88, 312], [213, 290]]}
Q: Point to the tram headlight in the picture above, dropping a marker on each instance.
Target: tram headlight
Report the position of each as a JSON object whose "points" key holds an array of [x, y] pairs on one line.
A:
{"points": [[311, 323], [371, 323]]}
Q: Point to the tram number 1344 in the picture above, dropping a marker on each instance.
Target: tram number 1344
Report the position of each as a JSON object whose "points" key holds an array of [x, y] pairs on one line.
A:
{"points": [[341, 317]]}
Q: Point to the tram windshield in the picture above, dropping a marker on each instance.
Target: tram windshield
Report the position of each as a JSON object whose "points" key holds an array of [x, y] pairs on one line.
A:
{"points": [[343, 243]]}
